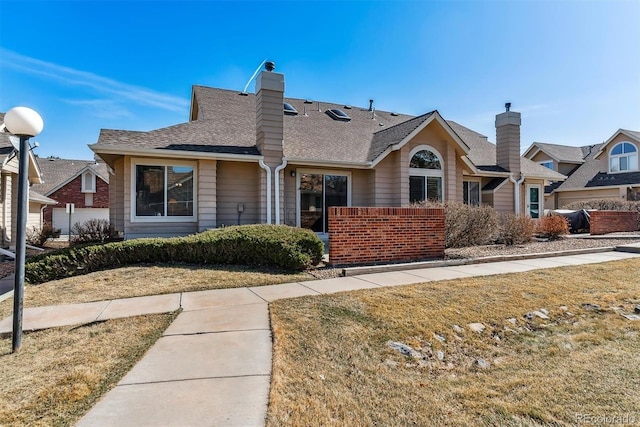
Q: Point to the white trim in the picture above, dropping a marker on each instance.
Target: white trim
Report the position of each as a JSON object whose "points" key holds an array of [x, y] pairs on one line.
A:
{"points": [[91, 188], [162, 162], [323, 172], [603, 187], [528, 199], [479, 181]]}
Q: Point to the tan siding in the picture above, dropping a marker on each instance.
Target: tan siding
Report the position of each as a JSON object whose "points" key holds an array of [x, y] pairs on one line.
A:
{"points": [[34, 218], [7, 193], [116, 196], [290, 196], [160, 229], [503, 198], [238, 183], [541, 157], [566, 197], [384, 178], [604, 157], [566, 168], [361, 194], [206, 194]]}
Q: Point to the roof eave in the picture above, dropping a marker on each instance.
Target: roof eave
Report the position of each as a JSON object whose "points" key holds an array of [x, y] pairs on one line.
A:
{"points": [[160, 152]]}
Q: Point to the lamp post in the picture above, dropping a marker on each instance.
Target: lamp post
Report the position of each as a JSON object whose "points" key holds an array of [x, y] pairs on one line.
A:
{"points": [[24, 123]]}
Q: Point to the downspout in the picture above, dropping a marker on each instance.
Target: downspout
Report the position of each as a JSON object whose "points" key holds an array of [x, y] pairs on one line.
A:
{"points": [[277, 187], [516, 191], [268, 170]]}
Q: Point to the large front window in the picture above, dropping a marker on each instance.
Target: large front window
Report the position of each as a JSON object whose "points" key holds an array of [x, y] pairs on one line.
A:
{"points": [[164, 191], [623, 158], [425, 176]]}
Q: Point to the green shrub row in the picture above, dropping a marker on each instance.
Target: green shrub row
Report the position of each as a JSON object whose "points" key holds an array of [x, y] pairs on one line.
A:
{"points": [[261, 245]]}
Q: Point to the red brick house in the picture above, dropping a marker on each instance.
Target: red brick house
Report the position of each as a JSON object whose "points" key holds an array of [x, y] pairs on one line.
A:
{"points": [[84, 183]]}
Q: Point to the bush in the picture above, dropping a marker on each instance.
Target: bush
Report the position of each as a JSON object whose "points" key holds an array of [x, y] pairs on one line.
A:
{"points": [[467, 225], [92, 231], [553, 226], [38, 236], [264, 245], [516, 229]]}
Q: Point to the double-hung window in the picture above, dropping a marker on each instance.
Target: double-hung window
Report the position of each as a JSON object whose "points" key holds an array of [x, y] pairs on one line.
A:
{"points": [[164, 191], [471, 193]]}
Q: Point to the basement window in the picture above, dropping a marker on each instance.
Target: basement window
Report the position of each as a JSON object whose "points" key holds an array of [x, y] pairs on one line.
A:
{"points": [[290, 110], [338, 114]]}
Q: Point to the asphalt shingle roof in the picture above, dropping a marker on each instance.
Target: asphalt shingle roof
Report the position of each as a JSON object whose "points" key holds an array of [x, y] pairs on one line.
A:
{"points": [[562, 153], [226, 124], [57, 171], [6, 148]]}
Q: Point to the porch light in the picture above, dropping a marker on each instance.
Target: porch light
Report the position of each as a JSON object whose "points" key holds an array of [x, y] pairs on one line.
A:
{"points": [[24, 123]]}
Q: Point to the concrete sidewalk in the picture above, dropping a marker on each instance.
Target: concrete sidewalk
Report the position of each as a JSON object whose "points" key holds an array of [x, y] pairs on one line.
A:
{"points": [[212, 366]]}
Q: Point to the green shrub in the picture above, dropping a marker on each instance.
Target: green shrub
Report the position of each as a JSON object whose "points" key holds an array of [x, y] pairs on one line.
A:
{"points": [[516, 229], [553, 226], [263, 245], [467, 225]]}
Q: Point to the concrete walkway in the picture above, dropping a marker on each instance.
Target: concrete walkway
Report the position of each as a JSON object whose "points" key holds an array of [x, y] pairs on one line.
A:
{"points": [[212, 366]]}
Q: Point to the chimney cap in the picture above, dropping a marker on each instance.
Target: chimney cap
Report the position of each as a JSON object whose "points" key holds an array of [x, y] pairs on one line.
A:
{"points": [[507, 106], [270, 65]]}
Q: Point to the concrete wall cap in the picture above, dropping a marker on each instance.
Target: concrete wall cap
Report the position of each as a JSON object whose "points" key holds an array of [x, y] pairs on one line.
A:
{"points": [[270, 81]]}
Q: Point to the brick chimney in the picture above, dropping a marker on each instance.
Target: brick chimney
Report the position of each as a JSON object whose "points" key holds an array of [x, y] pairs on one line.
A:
{"points": [[508, 141], [270, 115]]}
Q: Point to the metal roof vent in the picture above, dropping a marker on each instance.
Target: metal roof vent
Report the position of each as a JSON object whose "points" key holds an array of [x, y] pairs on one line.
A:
{"points": [[338, 114], [269, 66], [394, 114]]}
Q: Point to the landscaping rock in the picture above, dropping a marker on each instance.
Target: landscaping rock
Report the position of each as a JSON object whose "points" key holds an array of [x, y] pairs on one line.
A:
{"points": [[439, 337], [590, 307], [541, 314], [405, 349], [440, 355], [477, 327], [482, 364], [458, 329], [564, 308], [513, 321], [544, 311]]}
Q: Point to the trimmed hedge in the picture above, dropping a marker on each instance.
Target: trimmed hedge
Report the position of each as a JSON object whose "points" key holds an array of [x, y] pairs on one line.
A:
{"points": [[261, 245]]}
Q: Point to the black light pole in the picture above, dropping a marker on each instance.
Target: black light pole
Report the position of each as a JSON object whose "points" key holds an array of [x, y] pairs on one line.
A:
{"points": [[24, 123]]}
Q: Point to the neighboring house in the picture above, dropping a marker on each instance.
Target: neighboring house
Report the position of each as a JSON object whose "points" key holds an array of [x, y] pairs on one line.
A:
{"points": [[9, 191], [85, 183], [245, 158], [608, 170]]}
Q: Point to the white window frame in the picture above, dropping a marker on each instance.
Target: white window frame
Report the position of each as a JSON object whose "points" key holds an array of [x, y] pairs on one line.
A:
{"points": [[547, 162], [91, 178], [428, 172], [528, 200], [161, 162], [337, 172], [479, 188], [616, 158]]}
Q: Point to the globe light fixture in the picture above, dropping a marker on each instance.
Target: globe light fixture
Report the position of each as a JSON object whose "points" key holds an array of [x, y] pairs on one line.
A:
{"points": [[24, 123]]}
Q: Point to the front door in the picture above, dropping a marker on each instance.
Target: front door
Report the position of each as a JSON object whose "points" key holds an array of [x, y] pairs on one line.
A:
{"points": [[317, 192], [534, 201]]}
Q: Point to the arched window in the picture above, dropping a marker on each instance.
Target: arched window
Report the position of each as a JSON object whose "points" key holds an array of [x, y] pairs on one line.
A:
{"points": [[623, 157], [425, 175]]}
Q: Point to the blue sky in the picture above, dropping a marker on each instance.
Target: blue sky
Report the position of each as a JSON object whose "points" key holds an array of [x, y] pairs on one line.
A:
{"points": [[572, 68]]}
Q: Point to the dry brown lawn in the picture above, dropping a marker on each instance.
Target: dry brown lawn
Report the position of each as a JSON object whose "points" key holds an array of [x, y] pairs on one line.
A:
{"points": [[332, 364], [58, 374], [146, 280]]}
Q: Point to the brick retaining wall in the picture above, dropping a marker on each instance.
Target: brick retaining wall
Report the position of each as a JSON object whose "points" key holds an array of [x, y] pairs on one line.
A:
{"points": [[378, 235], [603, 222]]}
